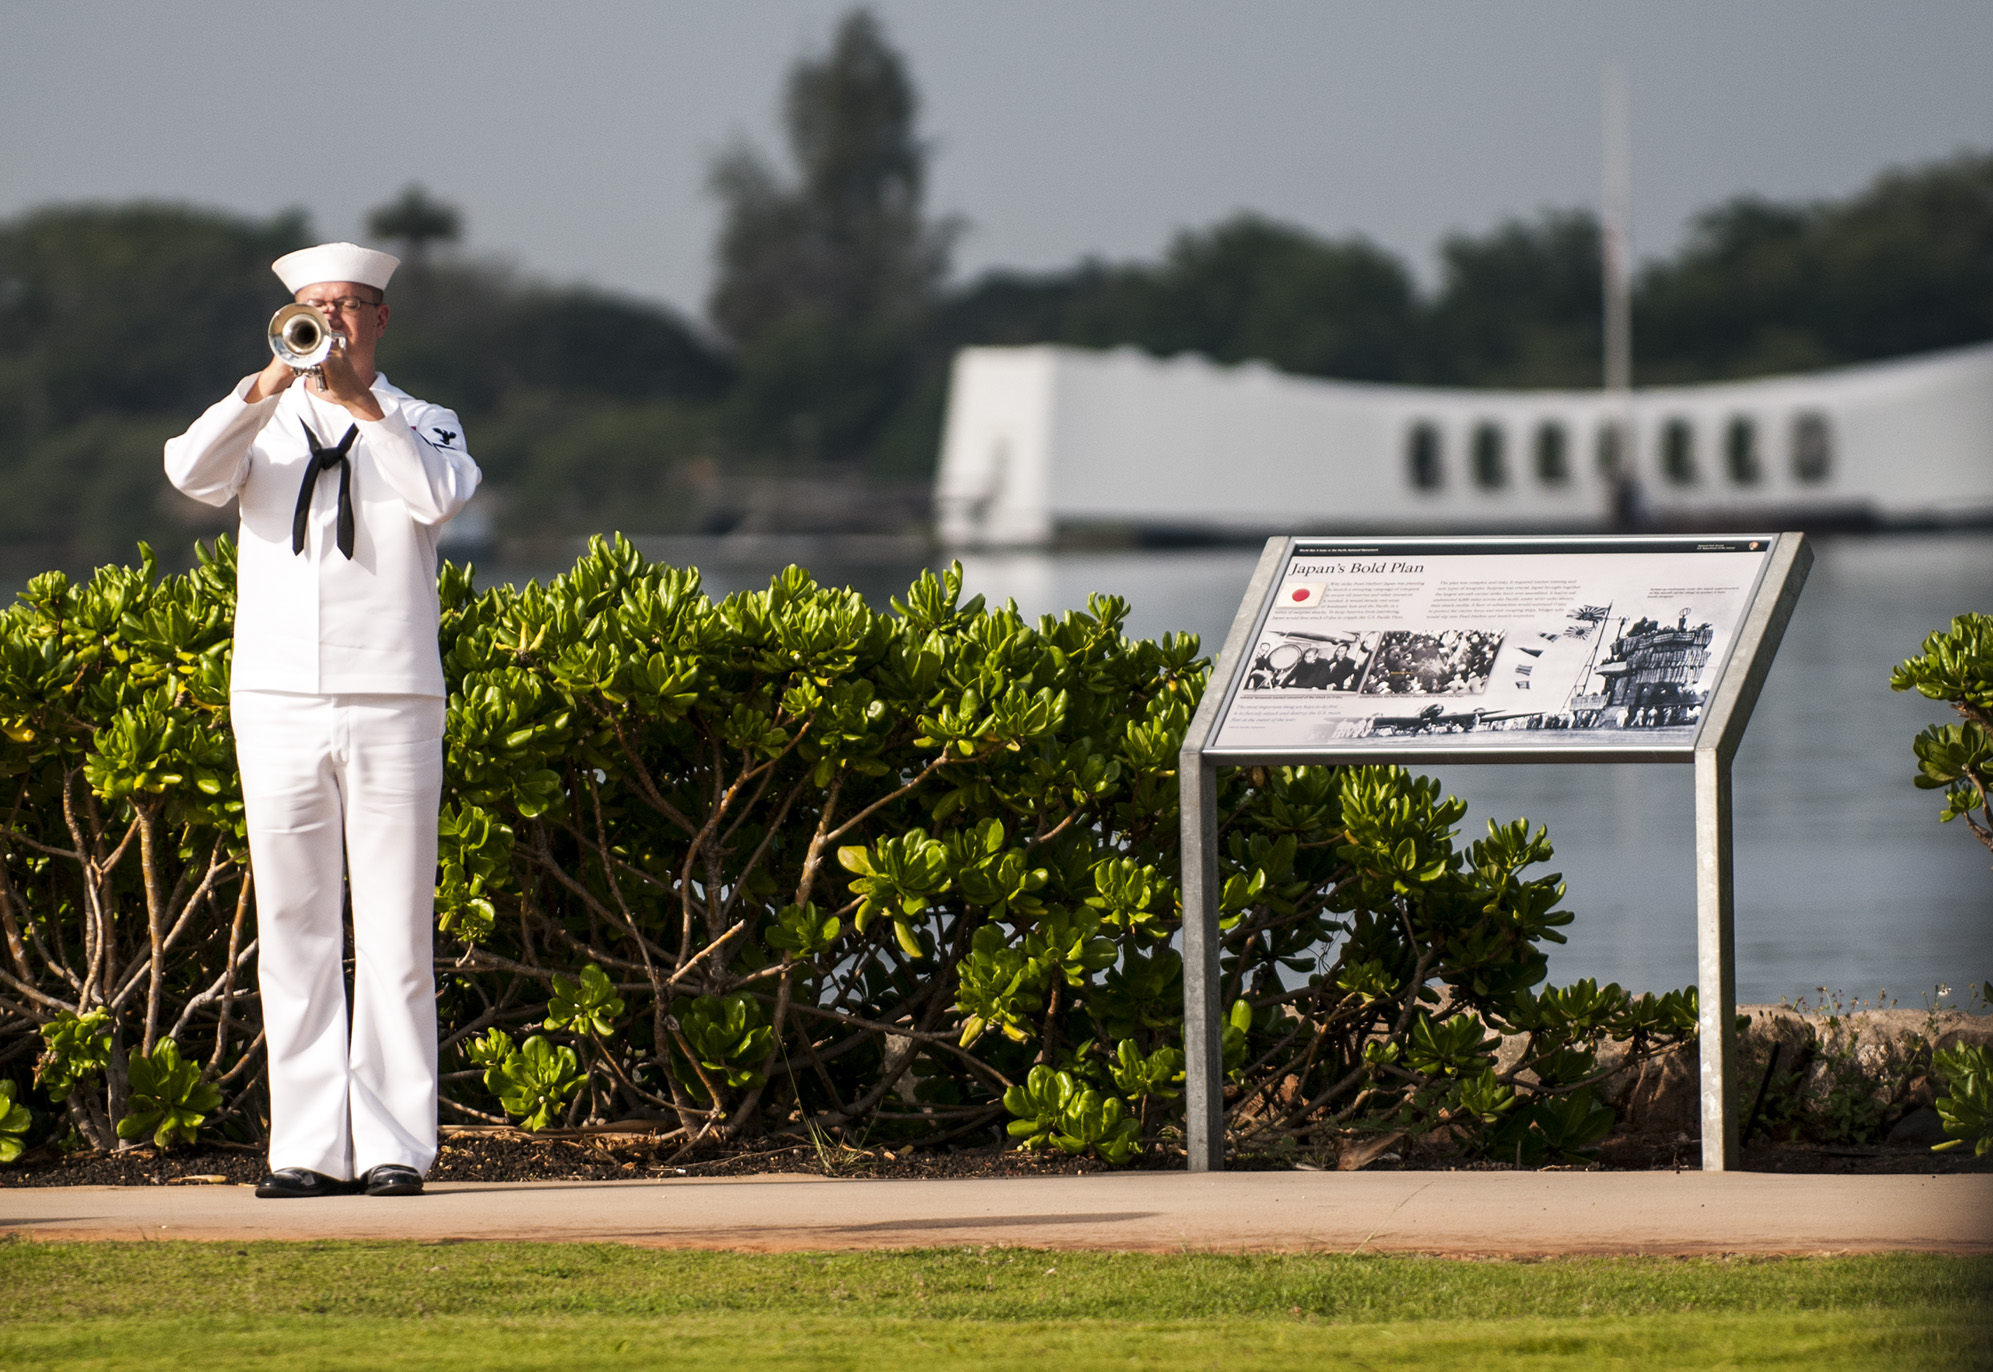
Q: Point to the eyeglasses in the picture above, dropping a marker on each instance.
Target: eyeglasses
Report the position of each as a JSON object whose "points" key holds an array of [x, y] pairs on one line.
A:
{"points": [[345, 304]]}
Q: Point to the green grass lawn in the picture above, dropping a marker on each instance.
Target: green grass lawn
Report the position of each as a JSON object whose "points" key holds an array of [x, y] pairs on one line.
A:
{"points": [[577, 1307]]}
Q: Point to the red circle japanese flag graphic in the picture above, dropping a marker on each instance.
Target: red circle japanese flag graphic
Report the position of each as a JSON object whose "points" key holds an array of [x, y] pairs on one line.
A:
{"points": [[1300, 597]]}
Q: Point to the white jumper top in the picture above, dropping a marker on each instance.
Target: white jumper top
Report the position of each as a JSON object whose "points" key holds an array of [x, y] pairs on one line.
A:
{"points": [[316, 622]]}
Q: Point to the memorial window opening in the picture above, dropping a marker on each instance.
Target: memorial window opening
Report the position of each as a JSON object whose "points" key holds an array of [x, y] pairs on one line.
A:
{"points": [[1812, 449], [1613, 459], [1553, 461], [1422, 458], [1740, 451], [1491, 468], [1678, 452]]}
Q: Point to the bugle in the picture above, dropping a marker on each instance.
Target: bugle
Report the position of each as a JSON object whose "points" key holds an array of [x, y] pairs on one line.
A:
{"points": [[302, 338]]}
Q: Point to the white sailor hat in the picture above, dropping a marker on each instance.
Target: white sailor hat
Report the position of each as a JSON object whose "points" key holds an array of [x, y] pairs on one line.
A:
{"points": [[335, 262]]}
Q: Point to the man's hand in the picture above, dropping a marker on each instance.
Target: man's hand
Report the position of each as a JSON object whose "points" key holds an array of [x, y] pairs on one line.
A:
{"points": [[339, 383], [274, 379]]}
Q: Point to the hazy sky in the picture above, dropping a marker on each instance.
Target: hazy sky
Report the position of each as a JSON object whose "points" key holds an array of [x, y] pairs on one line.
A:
{"points": [[575, 136]]}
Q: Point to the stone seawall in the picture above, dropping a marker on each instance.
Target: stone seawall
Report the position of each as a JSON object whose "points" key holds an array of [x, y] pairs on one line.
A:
{"points": [[1854, 1077]]}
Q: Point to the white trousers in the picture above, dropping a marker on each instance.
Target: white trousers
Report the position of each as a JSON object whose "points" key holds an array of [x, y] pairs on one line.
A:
{"points": [[345, 786]]}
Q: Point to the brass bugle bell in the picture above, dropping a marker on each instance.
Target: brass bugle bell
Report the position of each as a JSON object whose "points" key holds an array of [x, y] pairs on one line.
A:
{"points": [[302, 337]]}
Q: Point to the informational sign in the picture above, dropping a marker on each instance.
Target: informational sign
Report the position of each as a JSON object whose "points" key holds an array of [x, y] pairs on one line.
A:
{"points": [[1468, 650], [1606, 646]]}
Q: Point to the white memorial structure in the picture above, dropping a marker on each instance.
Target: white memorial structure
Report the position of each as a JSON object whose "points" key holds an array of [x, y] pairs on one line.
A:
{"points": [[1044, 441]]}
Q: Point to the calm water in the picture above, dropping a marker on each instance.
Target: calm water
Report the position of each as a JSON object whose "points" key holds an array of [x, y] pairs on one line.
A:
{"points": [[1845, 878]]}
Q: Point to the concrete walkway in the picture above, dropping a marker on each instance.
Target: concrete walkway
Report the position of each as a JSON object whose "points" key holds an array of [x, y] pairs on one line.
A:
{"points": [[1522, 1213]]}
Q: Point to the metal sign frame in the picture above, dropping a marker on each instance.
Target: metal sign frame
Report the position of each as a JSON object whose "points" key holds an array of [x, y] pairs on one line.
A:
{"points": [[1732, 697]]}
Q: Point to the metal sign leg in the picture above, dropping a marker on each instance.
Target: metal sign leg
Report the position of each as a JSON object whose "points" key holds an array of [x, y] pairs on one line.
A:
{"points": [[1716, 962], [1203, 1040]]}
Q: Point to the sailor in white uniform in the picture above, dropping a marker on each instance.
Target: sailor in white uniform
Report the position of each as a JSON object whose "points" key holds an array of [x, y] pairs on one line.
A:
{"points": [[337, 702]]}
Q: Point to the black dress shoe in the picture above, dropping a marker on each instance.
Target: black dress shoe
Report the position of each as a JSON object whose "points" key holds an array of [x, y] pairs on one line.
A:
{"points": [[392, 1179], [294, 1183]]}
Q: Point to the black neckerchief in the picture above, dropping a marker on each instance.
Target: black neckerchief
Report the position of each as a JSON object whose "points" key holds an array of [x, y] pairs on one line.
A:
{"points": [[321, 458]]}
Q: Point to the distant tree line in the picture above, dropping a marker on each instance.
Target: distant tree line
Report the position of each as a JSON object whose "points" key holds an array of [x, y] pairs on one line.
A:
{"points": [[119, 324], [832, 323], [1905, 266]]}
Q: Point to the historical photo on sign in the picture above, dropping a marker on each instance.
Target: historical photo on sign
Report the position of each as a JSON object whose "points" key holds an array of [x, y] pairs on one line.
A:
{"points": [[1310, 662], [1449, 662], [1607, 643]]}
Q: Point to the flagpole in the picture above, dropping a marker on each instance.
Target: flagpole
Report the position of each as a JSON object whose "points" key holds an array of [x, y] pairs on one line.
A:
{"points": [[1616, 265]]}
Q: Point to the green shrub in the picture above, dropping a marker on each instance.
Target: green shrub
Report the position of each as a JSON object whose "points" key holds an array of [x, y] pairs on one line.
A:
{"points": [[123, 900], [782, 863], [77, 1049], [169, 1100], [1967, 1109], [15, 1121], [1956, 667], [820, 853], [534, 1081]]}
